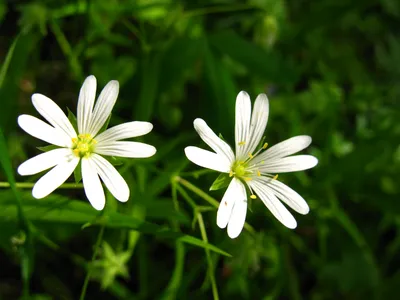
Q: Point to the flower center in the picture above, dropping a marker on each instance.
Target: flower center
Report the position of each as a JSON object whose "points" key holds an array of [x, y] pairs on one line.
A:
{"points": [[245, 170], [238, 169], [83, 145]]}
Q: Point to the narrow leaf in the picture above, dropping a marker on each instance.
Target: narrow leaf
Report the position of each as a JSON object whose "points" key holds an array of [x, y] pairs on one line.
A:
{"points": [[48, 148], [72, 119], [62, 210], [222, 181]]}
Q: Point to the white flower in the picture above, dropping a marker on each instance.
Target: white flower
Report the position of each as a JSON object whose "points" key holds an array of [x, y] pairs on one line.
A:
{"points": [[254, 170], [86, 146]]}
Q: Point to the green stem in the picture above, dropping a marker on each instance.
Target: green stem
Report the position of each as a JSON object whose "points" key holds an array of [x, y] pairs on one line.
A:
{"points": [[208, 255], [89, 272], [27, 250], [7, 61], [136, 32], [197, 173], [293, 279], [176, 278], [25, 185], [218, 9], [208, 198], [197, 191], [66, 49], [186, 197]]}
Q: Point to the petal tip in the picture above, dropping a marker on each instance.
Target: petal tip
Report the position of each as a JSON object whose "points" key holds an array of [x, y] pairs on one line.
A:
{"points": [[124, 198], [291, 224], [243, 94], [37, 194], [36, 97], [198, 122], [91, 77], [152, 151], [233, 234], [21, 170], [313, 161], [114, 84], [98, 207], [305, 210]]}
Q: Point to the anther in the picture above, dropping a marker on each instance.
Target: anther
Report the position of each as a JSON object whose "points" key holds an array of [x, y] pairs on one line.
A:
{"points": [[253, 196], [275, 177], [230, 173], [247, 178], [250, 155], [242, 143], [258, 173], [265, 146]]}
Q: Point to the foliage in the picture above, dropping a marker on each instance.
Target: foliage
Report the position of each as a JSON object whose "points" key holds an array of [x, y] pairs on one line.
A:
{"points": [[331, 70]]}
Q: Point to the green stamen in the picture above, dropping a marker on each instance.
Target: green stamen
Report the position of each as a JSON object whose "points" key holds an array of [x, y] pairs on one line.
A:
{"points": [[83, 145]]}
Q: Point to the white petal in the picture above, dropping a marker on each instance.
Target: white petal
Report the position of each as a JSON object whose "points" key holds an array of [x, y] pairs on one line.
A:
{"points": [[53, 114], [242, 124], [208, 159], [87, 95], [125, 149], [289, 164], [111, 178], [124, 131], [212, 140], [44, 161], [104, 106], [287, 195], [273, 204], [54, 178], [238, 217], [285, 148], [233, 193], [259, 121], [91, 182], [43, 131]]}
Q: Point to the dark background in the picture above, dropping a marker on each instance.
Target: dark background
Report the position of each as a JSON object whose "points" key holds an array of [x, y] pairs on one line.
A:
{"points": [[331, 70]]}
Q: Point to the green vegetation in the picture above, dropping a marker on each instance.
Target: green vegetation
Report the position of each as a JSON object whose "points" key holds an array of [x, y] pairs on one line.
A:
{"points": [[331, 70]]}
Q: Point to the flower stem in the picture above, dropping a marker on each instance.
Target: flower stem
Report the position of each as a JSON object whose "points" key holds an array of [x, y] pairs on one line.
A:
{"points": [[208, 255], [176, 277], [206, 197], [197, 191], [89, 271], [26, 185]]}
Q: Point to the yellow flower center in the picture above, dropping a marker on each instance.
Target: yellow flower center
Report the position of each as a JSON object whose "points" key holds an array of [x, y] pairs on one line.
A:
{"points": [[83, 145], [239, 169]]}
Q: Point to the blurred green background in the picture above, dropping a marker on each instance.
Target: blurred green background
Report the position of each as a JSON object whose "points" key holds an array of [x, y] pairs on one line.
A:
{"points": [[330, 68]]}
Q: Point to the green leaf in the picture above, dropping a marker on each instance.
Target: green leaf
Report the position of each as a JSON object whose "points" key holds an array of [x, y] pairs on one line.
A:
{"points": [[6, 63], [178, 59], [149, 79], [62, 210], [222, 181], [73, 120], [221, 89], [48, 148], [15, 201], [78, 172], [18, 56], [196, 242], [115, 161], [104, 127], [266, 64]]}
